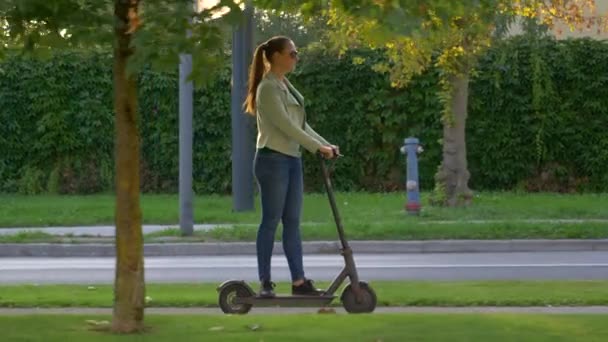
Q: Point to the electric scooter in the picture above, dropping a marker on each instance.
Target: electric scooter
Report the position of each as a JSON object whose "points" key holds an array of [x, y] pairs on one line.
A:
{"points": [[237, 297]]}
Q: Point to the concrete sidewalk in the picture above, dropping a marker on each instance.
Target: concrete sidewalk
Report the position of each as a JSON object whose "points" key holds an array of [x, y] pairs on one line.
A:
{"points": [[98, 241], [101, 231], [169, 249], [109, 230]]}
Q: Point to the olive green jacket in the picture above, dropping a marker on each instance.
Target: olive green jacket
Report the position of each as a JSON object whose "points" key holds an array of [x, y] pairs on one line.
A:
{"points": [[281, 119]]}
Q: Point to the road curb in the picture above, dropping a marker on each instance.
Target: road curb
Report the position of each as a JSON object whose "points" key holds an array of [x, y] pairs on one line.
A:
{"points": [[312, 247]]}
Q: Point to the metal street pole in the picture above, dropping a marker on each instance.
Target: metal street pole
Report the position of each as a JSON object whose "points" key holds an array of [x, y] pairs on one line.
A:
{"points": [[186, 216], [243, 125]]}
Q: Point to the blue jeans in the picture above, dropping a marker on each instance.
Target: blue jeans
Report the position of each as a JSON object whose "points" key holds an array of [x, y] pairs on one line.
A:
{"points": [[280, 181]]}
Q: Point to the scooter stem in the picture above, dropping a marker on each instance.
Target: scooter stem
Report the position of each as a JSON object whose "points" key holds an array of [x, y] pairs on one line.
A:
{"points": [[332, 203]]}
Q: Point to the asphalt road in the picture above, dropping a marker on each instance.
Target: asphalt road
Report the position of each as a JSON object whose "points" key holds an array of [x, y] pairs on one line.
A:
{"points": [[443, 266]]}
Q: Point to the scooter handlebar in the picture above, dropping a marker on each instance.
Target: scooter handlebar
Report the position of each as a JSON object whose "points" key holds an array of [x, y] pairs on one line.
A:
{"points": [[336, 154]]}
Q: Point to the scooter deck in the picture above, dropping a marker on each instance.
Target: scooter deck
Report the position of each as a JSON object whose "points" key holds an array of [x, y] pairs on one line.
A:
{"points": [[285, 300]]}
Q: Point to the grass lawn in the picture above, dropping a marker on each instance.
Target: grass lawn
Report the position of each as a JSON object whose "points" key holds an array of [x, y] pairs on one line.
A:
{"points": [[409, 293], [365, 231], [30, 211], [365, 216], [421, 231], [312, 327]]}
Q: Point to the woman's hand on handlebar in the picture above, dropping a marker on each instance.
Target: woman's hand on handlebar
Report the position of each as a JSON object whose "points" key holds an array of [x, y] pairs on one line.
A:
{"points": [[327, 152], [336, 150]]}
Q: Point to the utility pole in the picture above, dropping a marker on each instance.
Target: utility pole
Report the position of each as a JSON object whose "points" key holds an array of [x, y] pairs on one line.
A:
{"points": [[243, 125], [186, 215]]}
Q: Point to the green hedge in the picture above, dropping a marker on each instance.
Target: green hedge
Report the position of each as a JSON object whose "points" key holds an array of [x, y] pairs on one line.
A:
{"points": [[538, 116], [537, 120], [56, 124]]}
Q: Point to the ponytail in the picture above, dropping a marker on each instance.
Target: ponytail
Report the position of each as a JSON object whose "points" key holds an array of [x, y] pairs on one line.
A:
{"points": [[256, 72], [257, 68]]}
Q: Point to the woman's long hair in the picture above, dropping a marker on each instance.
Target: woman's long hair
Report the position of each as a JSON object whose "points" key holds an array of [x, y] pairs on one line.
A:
{"points": [[257, 68]]}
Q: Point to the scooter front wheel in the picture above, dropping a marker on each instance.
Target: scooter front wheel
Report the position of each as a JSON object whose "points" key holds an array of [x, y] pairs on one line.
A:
{"points": [[228, 296], [368, 299]]}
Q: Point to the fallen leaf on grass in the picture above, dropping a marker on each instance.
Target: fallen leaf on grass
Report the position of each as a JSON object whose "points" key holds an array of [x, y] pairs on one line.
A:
{"points": [[254, 327], [326, 311], [96, 323]]}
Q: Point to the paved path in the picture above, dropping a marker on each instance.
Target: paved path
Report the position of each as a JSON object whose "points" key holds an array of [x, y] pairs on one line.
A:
{"points": [[100, 231], [109, 230], [282, 311]]}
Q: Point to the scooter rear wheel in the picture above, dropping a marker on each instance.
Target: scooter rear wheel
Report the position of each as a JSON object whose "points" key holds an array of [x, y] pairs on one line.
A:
{"points": [[229, 294], [368, 299]]}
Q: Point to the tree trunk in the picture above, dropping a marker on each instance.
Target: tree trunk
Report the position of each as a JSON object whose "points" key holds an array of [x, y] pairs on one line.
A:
{"points": [[129, 285], [453, 174]]}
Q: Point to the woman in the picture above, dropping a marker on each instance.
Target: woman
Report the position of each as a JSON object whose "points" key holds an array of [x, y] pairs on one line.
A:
{"points": [[282, 129]]}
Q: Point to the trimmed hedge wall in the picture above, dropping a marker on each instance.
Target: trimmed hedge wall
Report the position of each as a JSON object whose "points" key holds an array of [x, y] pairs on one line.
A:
{"points": [[537, 121]]}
